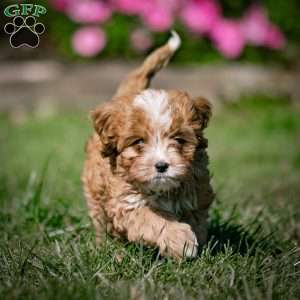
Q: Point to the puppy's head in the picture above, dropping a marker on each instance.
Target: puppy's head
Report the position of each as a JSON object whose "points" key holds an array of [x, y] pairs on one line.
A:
{"points": [[152, 137]]}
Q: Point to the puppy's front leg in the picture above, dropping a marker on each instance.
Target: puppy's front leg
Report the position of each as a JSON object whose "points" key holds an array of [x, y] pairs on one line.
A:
{"points": [[155, 229], [198, 221]]}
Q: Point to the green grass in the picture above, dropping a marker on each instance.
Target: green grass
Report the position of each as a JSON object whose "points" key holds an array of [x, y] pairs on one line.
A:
{"points": [[47, 248]]}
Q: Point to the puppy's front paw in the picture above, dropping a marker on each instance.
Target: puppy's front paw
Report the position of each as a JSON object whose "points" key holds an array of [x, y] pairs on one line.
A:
{"points": [[178, 240]]}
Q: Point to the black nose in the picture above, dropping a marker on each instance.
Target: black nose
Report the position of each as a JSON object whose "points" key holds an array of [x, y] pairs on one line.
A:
{"points": [[161, 166]]}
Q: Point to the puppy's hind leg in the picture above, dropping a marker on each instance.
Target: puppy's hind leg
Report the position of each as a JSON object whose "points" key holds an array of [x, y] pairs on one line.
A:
{"points": [[140, 78]]}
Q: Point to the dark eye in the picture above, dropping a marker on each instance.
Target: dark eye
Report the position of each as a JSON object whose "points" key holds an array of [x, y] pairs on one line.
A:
{"points": [[138, 142], [179, 140]]}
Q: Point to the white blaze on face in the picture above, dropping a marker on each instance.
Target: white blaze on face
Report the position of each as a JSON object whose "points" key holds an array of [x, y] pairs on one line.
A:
{"points": [[155, 103]]}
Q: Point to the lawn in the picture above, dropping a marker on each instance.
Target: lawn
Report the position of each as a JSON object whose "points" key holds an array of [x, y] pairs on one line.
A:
{"points": [[47, 248]]}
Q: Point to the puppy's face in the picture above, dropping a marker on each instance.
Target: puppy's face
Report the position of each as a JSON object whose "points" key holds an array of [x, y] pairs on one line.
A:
{"points": [[152, 137]]}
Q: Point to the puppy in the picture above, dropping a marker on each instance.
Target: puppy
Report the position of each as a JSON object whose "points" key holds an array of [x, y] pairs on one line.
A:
{"points": [[145, 175]]}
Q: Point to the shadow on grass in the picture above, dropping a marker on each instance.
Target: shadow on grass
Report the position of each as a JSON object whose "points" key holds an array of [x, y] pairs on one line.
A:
{"points": [[245, 240]]}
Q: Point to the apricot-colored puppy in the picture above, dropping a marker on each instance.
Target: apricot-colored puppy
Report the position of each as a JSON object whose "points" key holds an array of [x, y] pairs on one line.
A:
{"points": [[145, 175]]}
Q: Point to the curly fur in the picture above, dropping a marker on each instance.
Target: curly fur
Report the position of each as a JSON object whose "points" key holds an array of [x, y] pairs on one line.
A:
{"points": [[126, 194]]}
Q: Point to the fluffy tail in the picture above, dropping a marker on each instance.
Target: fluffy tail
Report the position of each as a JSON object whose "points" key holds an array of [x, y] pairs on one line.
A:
{"points": [[140, 78]]}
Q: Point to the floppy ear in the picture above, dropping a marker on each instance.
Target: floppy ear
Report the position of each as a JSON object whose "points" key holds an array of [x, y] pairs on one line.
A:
{"points": [[202, 109], [103, 123]]}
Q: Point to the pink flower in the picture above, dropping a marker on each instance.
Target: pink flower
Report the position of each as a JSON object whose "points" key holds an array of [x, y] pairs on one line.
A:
{"points": [[201, 16], [158, 19], [91, 11], [258, 30], [255, 25], [172, 5], [141, 40], [88, 41], [228, 38], [60, 5], [132, 7], [274, 37]]}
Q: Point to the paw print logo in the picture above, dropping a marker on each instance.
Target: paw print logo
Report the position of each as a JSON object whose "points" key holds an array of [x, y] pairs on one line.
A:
{"points": [[24, 32]]}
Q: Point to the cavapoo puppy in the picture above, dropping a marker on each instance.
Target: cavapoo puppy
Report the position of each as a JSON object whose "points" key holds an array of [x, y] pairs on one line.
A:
{"points": [[145, 176]]}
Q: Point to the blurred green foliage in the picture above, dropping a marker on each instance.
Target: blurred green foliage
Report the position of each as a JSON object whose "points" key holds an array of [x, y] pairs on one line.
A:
{"points": [[284, 13]]}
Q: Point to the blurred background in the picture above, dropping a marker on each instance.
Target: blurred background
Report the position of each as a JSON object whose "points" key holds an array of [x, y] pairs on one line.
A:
{"points": [[230, 47], [243, 55]]}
